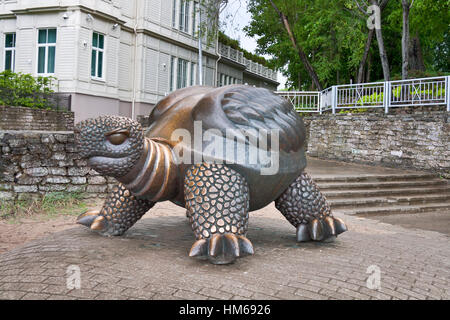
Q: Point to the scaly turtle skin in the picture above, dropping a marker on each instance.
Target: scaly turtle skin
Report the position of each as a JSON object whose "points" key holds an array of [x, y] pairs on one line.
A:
{"points": [[218, 152]]}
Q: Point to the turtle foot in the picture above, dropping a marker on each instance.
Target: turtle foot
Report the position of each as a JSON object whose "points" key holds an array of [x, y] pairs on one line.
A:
{"points": [[325, 230], [222, 248], [94, 221]]}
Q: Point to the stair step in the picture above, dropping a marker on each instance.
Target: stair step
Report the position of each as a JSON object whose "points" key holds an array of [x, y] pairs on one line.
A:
{"points": [[395, 209], [380, 185], [361, 193], [391, 200], [376, 178]]}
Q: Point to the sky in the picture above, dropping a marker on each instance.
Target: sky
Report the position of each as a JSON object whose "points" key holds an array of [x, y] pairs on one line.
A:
{"points": [[236, 17]]}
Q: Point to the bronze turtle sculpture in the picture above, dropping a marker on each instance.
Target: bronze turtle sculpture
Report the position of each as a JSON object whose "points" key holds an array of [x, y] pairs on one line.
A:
{"points": [[206, 149]]}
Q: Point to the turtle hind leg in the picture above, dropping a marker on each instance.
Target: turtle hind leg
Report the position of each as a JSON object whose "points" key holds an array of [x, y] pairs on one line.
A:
{"points": [[120, 212], [306, 209], [218, 202]]}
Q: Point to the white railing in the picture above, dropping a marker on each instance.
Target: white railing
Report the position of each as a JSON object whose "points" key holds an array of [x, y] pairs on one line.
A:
{"points": [[390, 94], [303, 101], [251, 66]]}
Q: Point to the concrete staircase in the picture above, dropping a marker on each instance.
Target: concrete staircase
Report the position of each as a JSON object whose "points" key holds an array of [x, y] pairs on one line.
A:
{"points": [[386, 194]]}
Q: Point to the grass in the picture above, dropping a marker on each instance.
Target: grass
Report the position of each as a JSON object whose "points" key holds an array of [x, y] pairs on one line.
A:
{"points": [[51, 205]]}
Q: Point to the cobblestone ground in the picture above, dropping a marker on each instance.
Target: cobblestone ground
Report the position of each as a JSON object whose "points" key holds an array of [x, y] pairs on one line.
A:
{"points": [[151, 262]]}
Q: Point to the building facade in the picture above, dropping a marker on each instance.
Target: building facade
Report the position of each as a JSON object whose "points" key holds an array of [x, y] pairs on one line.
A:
{"points": [[117, 56]]}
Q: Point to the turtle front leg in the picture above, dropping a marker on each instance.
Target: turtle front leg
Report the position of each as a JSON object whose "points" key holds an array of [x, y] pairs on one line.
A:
{"points": [[306, 209], [120, 212], [217, 203]]}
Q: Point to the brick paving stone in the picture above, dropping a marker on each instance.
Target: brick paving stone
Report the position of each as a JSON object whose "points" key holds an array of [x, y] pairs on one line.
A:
{"points": [[377, 294], [333, 295], [35, 296], [183, 294], [138, 294], [237, 291], [82, 294], [262, 296], [415, 264], [239, 298], [165, 297], [215, 293], [310, 295], [11, 295], [108, 296], [55, 289], [32, 287], [353, 294], [109, 288]]}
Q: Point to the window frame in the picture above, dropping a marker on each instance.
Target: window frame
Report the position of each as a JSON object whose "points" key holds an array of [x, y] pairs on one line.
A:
{"points": [[12, 49], [184, 16], [97, 50], [194, 18], [182, 73], [193, 74], [46, 47]]}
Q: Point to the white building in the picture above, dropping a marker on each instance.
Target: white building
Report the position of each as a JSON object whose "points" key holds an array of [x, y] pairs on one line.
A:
{"points": [[117, 56]]}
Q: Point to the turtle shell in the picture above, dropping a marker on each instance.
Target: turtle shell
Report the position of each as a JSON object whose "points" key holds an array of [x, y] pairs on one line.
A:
{"points": [[252, 130]]}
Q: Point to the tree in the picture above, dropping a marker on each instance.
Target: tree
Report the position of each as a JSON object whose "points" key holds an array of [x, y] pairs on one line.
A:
{"points": [[406, 5], [326, 33], [363, 6], [285, 22]]}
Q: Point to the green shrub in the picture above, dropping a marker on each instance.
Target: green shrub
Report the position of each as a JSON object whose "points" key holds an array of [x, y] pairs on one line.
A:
{"points": [[373, 98], [226, 40], [19, 89], [356, 110]]}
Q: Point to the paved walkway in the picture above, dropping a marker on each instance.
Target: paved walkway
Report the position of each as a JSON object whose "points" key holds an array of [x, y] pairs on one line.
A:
{"points": [[151, 262]]}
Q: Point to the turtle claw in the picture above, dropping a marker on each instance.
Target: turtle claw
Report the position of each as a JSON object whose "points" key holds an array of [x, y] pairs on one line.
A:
{"points": [[92, 220], [222, 248], [325, 230]]}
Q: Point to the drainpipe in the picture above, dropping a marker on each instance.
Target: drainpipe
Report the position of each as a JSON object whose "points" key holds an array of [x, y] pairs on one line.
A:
{"points": [[216, 77], [133, 99], [200, 50]]}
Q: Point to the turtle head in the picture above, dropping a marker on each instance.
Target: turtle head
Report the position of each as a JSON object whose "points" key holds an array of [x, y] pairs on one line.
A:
{"points": [[111, 144]]}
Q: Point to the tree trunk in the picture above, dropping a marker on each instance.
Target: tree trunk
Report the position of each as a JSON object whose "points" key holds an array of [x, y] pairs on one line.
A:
{"points": [[360, 77], [415, 54], [369, 66], [405, 39], [303, 57], [382, 49]]}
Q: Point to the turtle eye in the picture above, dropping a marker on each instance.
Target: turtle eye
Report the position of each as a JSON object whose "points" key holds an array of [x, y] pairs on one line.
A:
{"points": [[117, 138]]}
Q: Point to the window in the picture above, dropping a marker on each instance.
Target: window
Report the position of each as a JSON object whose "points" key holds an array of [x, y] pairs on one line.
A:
{"points": [[179, 73], [194, 18], [182, 73], [174, 13], [46, 51], [98, 50], [172, 73], [10, 51], [184, 16], [193, 74]]}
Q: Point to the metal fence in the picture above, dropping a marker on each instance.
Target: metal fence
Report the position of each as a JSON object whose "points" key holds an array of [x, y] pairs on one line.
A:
{"points": [[390, 94], [303, 101]]}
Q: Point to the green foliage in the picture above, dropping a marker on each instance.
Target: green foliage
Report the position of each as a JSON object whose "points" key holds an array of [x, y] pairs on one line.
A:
{"points": [[333, 34], [356, 110], [371, 99], [51, 204], [19, 89]]}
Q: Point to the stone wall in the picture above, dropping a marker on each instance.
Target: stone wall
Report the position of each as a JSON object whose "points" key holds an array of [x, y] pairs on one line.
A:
{"points": [[35, 162], [418, 141], [21, 118]]}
